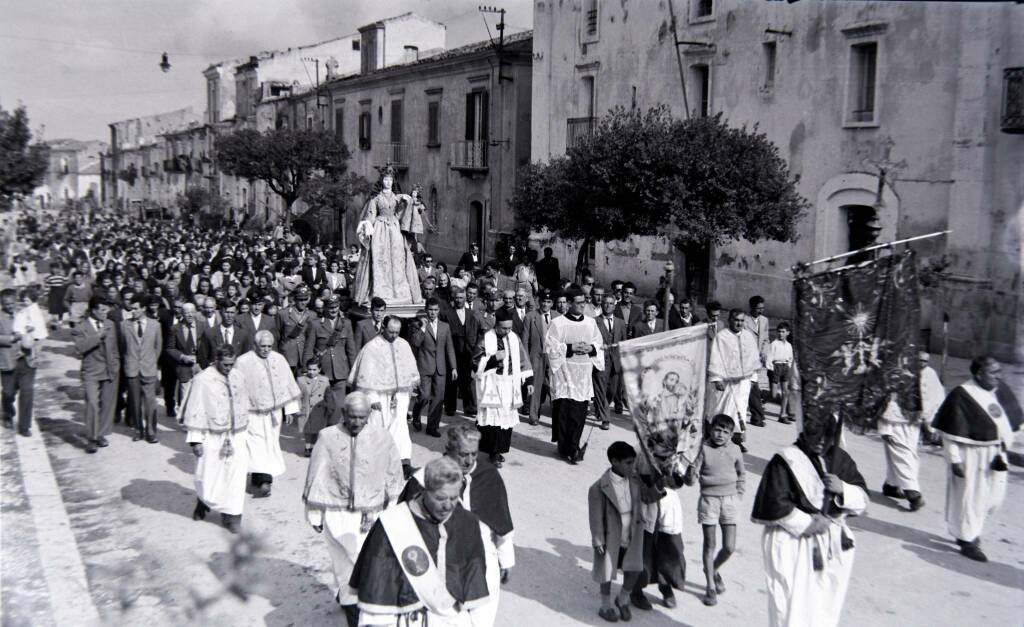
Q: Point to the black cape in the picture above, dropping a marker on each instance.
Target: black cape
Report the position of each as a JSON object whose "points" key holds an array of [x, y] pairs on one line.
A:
{"points": [[487, 497], [380, 581], [962, 418], [779, 491]]}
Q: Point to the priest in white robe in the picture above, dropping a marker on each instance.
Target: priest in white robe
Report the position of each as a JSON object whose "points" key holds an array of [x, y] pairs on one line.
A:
{"points": [[354, 474], [502, 368], [806, 492], [216, 414], [733, 364], [275, 398], [385, 370], [575, 348], [977, 422], [901, 432]]}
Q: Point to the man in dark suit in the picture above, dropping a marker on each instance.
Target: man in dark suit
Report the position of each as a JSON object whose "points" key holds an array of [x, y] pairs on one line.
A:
{"points": [[291, 327], [370, 328], [608, 382], [548, 274], [330, 340], [464, 325], [97, 344], [535, 329], [182, 346], [207, 316], [470, 260], [681, 315], [431, 342], [226, 333], [313, 275], [141, 345], [474, 298], [256, 321], [628, 311], [650, 324]]}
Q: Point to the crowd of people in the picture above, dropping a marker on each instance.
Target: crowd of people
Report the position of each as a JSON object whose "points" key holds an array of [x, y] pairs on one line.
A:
{"points": [[240, 333]]}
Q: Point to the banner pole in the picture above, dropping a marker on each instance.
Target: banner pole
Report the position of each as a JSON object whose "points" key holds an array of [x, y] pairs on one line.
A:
{"points": [[875, 247]]}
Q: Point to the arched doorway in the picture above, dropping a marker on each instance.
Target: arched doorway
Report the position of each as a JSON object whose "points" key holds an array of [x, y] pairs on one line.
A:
{"points": [[844, 209]]}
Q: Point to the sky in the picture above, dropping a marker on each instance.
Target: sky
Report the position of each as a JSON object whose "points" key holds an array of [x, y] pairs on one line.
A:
{"points": [[77, 65]]}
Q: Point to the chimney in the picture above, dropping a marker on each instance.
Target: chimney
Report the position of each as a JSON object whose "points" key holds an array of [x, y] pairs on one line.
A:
{"points": [[412, 54]]}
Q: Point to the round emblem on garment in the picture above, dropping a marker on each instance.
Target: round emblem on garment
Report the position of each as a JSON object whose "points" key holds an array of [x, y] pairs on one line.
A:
{"points": [[415, 560], [995, 410]]}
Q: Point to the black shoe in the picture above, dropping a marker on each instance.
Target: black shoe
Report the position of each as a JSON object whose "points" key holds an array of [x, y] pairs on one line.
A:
{"points": [[743, 447], [639, 600], [199, 513], [469, 414], [668, 596], [152, 439], [418, 426], [533, 422], [262, 491], [90, 447], [972, 551], [102, 442], [232, 523], [26, 432], [915, 499], [406, 470], [892, 492], [307, 452], [999, 464], [496, 461], [501, 458], [624, 612], [136, 436], [433, 432], [605, 425], [758, 423], [610, 614], [8, 423]]}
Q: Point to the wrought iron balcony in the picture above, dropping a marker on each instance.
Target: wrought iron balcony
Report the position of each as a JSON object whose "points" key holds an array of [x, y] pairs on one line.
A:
{"points": [[394, 153], [577, 130], [469, 155]]}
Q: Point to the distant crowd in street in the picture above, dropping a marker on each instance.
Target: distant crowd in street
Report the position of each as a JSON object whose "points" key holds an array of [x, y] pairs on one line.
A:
{"points": [[236, 334]]}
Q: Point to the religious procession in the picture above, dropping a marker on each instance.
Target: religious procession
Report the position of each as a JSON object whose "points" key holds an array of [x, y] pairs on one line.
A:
{"points": [[318, 382]]}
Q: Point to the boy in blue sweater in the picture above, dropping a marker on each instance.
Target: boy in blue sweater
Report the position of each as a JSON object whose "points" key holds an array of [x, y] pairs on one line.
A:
{"points": [[719, 468]]}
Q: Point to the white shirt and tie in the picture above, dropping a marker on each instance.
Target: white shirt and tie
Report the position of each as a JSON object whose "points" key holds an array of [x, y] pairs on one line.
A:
{"points": [[521, 312], [227, 333]]}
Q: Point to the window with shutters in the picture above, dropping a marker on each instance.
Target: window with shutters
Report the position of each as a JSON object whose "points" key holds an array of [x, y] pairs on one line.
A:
{"points": [[476, 116], [339, 124], [701, 74], [365, 120], [396, 121], [862, 84], [770, 50], [433, 124]]}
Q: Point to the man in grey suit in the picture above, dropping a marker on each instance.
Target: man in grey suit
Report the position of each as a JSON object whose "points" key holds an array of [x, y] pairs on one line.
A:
{"points": [[535, 328], [256, 321], [608, 382], [649, 324], [97, 344], [330, 341], [370, 328], [431, 342], [141, 343], [183, 347]]}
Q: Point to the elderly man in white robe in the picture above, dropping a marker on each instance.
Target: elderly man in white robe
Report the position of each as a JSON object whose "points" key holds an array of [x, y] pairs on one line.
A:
{"points": [[385, 370], [354, 474], [502, 368], [733, 365], [807, 490], [216, 414], [901, 431], [575, 348], [275, 397], [978, 422]]}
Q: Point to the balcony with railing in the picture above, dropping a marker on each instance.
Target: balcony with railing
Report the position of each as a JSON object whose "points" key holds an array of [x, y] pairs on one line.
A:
{"points": [[394, 153], [577, 130], [469, 155]]}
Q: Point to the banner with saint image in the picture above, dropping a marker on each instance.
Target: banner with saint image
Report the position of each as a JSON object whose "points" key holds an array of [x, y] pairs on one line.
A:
{"points": [[856, 338], [665, 375]]}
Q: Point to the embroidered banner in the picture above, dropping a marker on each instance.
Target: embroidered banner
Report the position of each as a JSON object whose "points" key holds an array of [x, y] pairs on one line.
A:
{"points": [[856, 339], [665, 376]]}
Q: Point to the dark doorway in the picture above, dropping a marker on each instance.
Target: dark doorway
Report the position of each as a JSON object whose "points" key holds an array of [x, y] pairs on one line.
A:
{"points": [[476, 223], [693, 273], [862, 230]]}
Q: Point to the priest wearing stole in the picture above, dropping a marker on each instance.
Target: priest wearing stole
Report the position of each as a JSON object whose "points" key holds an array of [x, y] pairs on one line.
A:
{"points": [[424, 561], [502, 367], [385, 369], [574, 347], [354, 473], [806, 492], [485, 495], [977, 422], [274, 396], [733, 365], [216, 414]]}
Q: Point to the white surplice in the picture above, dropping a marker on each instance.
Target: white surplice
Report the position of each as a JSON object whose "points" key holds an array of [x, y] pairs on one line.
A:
{"points": [[901, 434], [274, 394], [220, 481], [734, 361], [572, 377]]}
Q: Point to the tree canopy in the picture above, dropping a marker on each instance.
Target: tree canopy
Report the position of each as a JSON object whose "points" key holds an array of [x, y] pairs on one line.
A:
{"points": [[285, 159], [22, 164], [646, 173]]}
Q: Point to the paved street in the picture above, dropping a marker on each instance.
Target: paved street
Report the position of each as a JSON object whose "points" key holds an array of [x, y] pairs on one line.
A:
{"points": [[145, 562]]}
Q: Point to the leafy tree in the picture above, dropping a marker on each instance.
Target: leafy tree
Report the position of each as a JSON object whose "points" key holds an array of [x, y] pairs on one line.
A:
{"points": [[646, 173], [285, 159], [197, 202], [22, 164]]}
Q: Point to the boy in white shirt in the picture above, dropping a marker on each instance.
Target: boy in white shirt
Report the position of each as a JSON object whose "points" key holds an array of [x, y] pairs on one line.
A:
{"points": [[780, 361]]}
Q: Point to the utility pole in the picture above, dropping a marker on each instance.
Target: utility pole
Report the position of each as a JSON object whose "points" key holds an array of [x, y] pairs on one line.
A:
{"points": [[316, 87], [500, 46]]}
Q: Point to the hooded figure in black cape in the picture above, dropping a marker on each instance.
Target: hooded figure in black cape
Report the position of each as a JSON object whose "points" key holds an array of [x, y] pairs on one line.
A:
{"points": [[805, 493]]}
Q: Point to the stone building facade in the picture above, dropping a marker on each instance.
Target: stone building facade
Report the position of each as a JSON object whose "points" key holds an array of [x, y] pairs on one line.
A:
{"points": [[886, 109], [75, 172]]}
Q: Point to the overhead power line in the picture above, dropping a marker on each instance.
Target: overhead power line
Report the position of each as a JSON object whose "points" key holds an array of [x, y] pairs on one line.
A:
{"points": [[82, 44]]}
